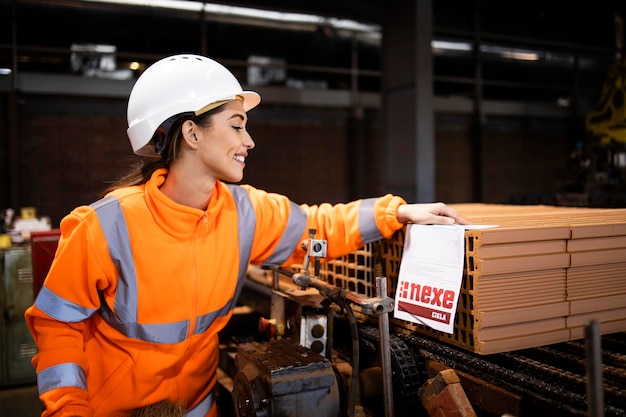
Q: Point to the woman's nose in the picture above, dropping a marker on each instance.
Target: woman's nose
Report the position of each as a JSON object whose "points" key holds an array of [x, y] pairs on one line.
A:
{"points": [[248, 142]]}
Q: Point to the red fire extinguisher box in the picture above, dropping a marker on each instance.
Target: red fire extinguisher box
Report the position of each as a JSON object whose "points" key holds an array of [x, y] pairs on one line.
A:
{"points": [[43, 246]]}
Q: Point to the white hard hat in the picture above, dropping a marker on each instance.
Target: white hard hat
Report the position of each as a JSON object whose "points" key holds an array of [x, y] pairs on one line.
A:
{"points": [[174, 85]]}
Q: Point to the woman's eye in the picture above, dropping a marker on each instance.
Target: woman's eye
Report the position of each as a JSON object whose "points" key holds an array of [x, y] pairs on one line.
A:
{"points": [[237, 127]]}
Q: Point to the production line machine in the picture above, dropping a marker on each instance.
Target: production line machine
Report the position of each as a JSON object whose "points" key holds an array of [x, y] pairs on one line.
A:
{"points": [[299, 346], [297, 370]]}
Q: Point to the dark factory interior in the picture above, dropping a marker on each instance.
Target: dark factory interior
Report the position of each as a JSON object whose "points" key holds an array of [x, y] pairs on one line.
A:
{"points": [[512, 88], [511, 112]]}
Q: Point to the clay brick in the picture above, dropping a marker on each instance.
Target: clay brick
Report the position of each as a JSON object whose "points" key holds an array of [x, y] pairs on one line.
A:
{"points": [[444, 396], [609, 301], [593, 244], [598, 257], [521, 249], [520, 315], [521, 263], [523, 342], [526, 328]]}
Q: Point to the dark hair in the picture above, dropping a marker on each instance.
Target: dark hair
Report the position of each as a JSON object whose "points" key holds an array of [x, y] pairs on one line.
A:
{"points": [[142, 169]]}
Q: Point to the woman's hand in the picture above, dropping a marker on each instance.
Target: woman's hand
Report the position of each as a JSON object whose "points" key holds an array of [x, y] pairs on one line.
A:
{"points": [[433, 213]]}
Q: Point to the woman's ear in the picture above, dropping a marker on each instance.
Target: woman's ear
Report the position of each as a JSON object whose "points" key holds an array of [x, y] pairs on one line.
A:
{"points": [[189, 133]]}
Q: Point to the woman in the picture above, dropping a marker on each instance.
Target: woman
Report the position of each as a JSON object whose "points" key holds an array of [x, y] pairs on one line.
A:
{"points": [[144, 279]]}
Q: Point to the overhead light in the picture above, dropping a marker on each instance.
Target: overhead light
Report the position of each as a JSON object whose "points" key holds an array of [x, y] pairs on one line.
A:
{"points": [[451, 46], [520, 56], [192, 6], [563, 102], [511, 53], [503, 52], [336, 23], [253, 13], [5, 71]]}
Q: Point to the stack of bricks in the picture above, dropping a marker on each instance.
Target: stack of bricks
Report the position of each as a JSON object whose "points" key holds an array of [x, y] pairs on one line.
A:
{"points": [[535, 279]]}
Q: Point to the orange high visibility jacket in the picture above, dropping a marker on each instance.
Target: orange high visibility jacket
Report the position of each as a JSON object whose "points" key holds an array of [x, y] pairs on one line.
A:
{"points": [[130, 311]]}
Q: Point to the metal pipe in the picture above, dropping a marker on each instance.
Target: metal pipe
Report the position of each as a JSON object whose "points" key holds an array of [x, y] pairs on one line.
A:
{"points": [[327, 289], [354, 380], [595, 393], [385, 348]]}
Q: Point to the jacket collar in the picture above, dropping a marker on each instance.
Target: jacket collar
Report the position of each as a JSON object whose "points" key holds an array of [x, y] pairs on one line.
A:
{"points": [[176, 219]]}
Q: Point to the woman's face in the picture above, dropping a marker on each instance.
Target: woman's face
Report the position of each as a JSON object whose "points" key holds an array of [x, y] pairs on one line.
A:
{"points": [[224, 145]]}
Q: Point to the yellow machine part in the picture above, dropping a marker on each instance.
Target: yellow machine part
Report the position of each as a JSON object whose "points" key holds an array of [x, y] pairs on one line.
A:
{"points": [[609, 121]]}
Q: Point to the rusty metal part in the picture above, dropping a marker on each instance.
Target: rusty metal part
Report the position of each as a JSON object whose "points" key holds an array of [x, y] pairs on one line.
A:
{"points": [[491, 399], [547, 379], [280, 378], [443, 395]]}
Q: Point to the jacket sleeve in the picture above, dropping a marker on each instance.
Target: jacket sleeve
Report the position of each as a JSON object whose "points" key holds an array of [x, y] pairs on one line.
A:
{"points": [[57, 321], [346, 226]]}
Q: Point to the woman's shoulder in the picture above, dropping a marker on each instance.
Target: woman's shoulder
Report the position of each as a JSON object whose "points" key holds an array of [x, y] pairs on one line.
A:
{"points": [[125, 195]]}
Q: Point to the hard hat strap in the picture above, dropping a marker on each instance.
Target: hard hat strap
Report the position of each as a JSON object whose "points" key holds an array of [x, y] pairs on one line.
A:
{"points": [[161, 136]]}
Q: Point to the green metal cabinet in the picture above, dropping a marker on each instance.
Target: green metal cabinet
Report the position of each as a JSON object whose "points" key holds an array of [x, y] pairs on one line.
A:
{"points": [[17, 346]]}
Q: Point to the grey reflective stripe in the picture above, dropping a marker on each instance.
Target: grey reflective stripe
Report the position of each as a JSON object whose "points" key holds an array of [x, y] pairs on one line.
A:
{"points": [[61, 309], [113, 225], [59, 376], [168, 333], [124, 319], [367, 221], [291, 236], [204, 322], [203, 407], [246, 219]]}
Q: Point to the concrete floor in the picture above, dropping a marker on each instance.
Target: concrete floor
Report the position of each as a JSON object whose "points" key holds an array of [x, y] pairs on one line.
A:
{"points": [[20, 401]]}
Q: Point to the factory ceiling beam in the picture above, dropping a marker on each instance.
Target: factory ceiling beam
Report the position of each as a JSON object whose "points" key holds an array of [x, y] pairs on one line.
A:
{"points": [[408, 101]]}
